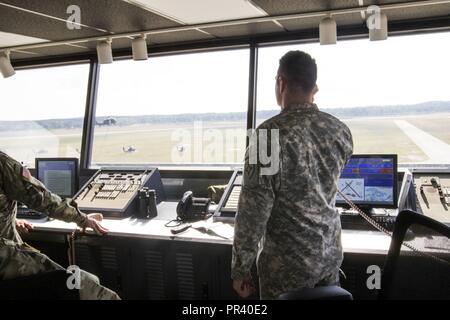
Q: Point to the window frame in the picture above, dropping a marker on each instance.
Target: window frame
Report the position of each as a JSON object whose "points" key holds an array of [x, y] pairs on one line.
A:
{"points": [[253, 42], [65, 61], [179, 51]]}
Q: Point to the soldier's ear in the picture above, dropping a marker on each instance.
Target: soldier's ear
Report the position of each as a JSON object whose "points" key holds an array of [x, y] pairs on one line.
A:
{"points": [[283, 85], [316, 89]]}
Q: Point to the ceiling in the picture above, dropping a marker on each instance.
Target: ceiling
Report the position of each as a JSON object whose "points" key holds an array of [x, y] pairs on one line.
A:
{"points": [[25, 22]]}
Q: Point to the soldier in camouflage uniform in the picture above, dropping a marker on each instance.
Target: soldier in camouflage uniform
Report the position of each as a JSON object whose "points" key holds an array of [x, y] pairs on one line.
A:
{"points": [[289, 218], [18, 259]]}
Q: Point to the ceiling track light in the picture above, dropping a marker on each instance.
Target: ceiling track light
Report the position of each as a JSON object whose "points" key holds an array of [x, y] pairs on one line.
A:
{"points": [[6, 67], [404, 5], [378, 26], [139, 48], [104, 52], [328, 31]]}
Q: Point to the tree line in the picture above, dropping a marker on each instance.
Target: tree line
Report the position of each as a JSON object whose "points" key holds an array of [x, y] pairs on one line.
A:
{"points": [[343, 113]]}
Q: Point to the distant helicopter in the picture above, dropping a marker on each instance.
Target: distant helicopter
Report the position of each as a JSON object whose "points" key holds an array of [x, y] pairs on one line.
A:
{"points": [[107, 122], [129, 149]]}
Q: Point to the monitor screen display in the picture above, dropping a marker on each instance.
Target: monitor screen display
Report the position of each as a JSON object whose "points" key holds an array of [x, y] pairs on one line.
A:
{"points": [[59, 175], [369, 180]]}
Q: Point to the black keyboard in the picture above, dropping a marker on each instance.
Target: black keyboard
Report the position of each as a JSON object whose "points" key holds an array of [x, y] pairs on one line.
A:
{"points": [[26, 213]]}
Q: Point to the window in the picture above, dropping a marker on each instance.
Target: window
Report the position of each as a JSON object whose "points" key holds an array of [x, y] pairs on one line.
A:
{"points": [[179, 109], [392, 94], [45, 112]]}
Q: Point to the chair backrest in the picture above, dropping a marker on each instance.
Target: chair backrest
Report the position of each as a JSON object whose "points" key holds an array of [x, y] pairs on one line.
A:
{"points": [[417, 275], [317, 293], [43, 286]]}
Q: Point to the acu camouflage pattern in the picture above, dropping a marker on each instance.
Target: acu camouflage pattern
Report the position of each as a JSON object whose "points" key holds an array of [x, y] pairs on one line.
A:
{"points": [[292, 214], [16, 259]]}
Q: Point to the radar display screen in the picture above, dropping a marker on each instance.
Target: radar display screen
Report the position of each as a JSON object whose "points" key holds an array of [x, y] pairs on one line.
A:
{"points": [[369, 180]]}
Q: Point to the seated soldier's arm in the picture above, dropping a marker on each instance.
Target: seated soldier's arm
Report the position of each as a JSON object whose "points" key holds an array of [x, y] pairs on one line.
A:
{"points": [[19, 185]]}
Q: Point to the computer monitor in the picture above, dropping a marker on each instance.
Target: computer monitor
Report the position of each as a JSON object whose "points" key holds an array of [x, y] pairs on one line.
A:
{"points": [[59, 175], [369, 181]]}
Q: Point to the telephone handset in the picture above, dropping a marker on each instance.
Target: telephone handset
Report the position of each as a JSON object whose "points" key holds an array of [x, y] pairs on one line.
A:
{"points": [[190, 208], [183, 205]]}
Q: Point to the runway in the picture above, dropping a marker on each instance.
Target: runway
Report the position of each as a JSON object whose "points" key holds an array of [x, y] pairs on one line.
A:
{"points": [[434, 148]]}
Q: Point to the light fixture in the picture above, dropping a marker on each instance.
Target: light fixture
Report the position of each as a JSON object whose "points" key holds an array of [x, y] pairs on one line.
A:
{"points": [[6, 67], [104, 52], [139, 46], [378, 29], [328, 31]]}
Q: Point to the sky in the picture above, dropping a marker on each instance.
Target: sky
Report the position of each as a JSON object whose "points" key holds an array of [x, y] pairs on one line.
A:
{"points": [[401, 70]]}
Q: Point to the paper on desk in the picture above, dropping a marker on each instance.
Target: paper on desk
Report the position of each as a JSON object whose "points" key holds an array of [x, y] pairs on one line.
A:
{"points": [[222, 229]]}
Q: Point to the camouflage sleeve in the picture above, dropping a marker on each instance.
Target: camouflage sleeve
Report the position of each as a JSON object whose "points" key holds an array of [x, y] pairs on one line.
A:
{"points": [[254, 209], [349, 144], [19, 185]]}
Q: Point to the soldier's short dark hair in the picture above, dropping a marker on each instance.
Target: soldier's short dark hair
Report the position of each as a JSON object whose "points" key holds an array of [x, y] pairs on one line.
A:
{"points": [[299, 69]]}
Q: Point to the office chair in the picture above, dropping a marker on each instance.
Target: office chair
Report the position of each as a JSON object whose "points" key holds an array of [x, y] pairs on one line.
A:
{"points": [[318, 293], [411, 275], [44, 286]]}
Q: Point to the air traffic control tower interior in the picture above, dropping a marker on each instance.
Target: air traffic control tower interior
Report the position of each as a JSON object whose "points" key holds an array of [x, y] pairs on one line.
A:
{"points": [[142, 110]]}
